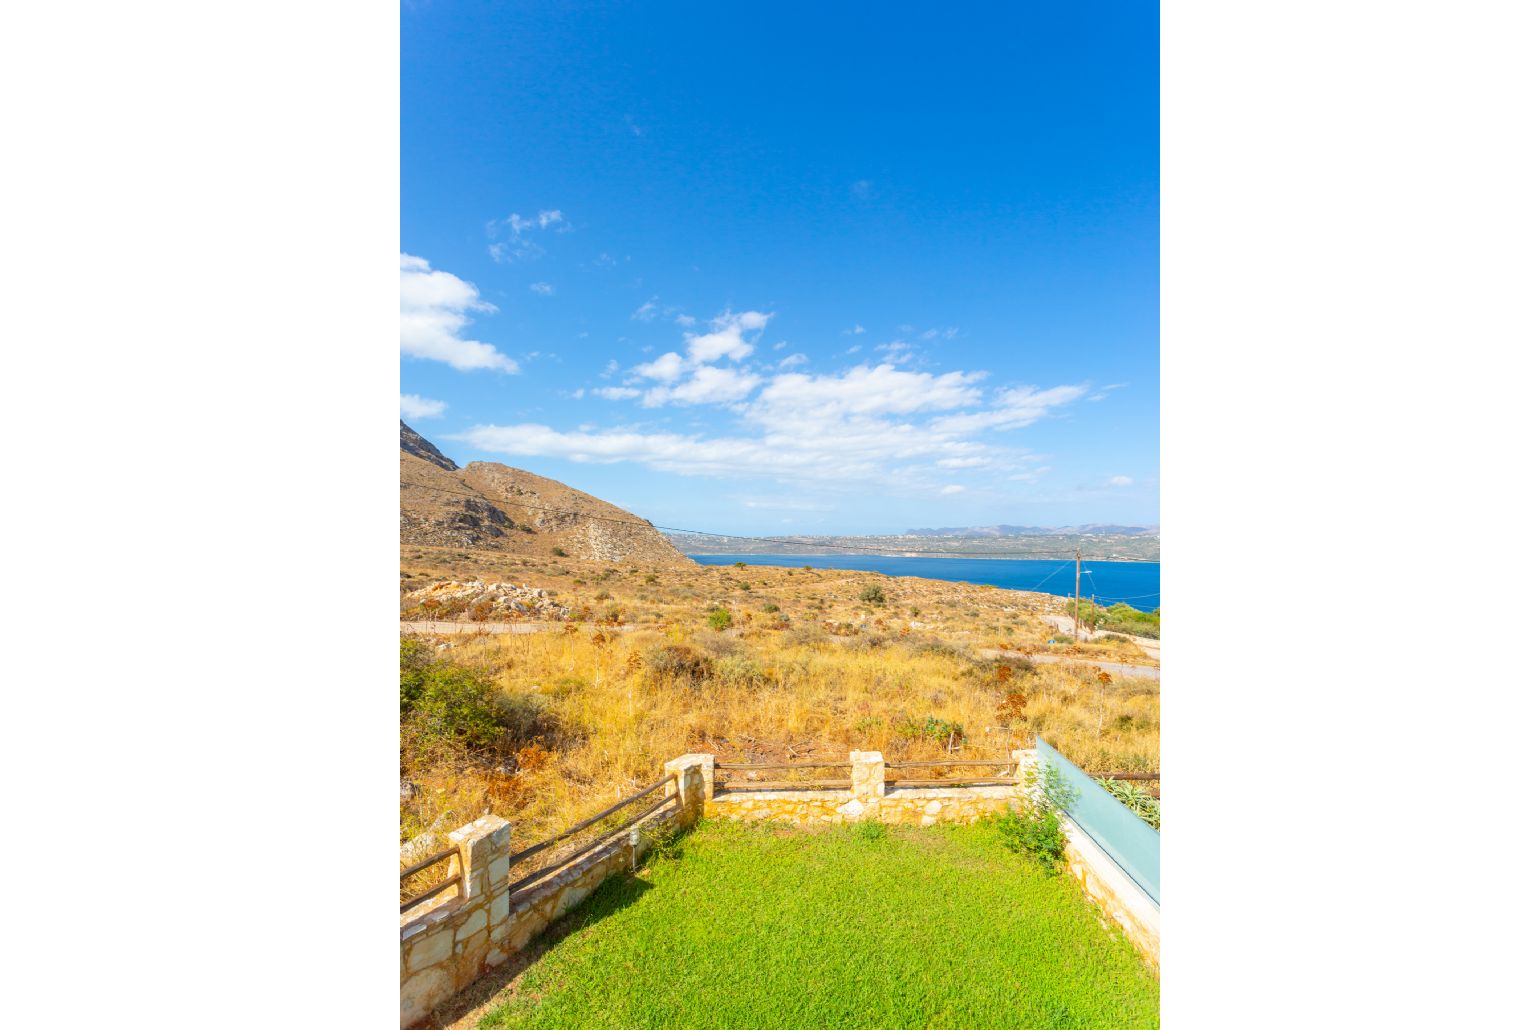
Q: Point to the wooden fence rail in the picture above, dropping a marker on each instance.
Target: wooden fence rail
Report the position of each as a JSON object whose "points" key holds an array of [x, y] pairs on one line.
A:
{"points": [[586, 823]]}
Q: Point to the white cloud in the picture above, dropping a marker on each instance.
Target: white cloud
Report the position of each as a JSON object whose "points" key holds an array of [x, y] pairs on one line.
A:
{"points": [[435, 310], [666, 367], [610, 368], [780, 346], [952, 488], [544, 289], [867, 426], [866, 390], [855, 330], [854, 350], [685, 320], [727, 337], [647, 312], [547, 218], [707, 385], [1120, 481], [413, 406]]}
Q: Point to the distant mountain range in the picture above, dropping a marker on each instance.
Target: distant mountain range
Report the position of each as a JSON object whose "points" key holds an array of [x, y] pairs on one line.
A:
{"points": [[998, 531]]}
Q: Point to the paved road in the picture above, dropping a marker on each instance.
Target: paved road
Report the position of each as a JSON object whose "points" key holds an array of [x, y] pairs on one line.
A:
{"points": [[1145, 672]]}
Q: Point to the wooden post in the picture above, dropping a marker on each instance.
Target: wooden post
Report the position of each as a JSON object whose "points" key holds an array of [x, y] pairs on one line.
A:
{"points": [[1077, 595]]}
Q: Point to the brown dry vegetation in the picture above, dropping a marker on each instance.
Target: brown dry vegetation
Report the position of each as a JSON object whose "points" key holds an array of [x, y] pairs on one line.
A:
{"points": [[821, 674]]}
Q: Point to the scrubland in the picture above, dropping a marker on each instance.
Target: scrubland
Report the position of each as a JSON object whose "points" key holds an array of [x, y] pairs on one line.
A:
{"points": [[750, 664]]}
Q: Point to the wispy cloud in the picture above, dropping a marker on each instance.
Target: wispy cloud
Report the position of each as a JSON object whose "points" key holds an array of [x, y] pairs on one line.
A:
{"points": [[413, 406], [861, 189], [868, 425], [1102, 392], [1121, 481], [517, 228], [855, 330], [617, 393], [436, 308], [952, 488], [544, 289]]}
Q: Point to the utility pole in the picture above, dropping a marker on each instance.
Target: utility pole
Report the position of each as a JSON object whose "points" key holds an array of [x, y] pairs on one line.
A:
{"points": [[1077, 595]]}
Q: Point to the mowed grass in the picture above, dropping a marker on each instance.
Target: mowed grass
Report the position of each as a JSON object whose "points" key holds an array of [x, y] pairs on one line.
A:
{"points": [[754, 927]]}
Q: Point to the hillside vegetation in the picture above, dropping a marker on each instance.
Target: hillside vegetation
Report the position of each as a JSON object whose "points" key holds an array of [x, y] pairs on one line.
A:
{"points": [[751, 663]]}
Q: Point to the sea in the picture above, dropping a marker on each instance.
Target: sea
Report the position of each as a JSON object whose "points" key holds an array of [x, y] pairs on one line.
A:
{"points": [[1136, 584]]}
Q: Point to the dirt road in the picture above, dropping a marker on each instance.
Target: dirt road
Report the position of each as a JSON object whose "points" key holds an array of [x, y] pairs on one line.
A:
{"points": [[492, 627], [1065, 624], [1146, 672]]}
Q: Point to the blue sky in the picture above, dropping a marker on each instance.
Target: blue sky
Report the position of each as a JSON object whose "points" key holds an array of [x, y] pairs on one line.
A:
{"points": [[799, 268]]}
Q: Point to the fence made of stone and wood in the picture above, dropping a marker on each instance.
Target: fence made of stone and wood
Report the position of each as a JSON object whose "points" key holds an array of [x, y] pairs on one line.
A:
{"points": [[469, 908]]}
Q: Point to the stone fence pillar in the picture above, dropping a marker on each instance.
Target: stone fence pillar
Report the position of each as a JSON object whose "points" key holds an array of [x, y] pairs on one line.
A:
{"points": [[867, 772], [450, 944], [693, 781]]}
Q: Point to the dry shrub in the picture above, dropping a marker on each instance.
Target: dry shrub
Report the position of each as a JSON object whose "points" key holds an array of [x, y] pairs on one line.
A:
{"points": [[679, 663]]}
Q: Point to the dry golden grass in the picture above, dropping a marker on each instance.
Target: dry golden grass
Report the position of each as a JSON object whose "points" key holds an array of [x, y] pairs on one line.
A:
{"points": [[777, 693]]}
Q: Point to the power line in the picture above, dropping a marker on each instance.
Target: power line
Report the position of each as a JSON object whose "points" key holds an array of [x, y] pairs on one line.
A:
{"points": [[783, 541]]}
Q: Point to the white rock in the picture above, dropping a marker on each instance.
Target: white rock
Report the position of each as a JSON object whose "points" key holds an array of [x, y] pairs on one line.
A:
{"points": [[852, 809]]}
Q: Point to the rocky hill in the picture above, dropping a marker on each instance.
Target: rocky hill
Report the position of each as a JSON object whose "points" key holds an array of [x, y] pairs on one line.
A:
{"points": [[488, 506]]}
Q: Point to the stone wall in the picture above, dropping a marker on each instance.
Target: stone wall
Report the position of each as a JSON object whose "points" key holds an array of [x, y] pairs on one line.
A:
{"points": [[869, 798], [448, 942], [1114, 892]]}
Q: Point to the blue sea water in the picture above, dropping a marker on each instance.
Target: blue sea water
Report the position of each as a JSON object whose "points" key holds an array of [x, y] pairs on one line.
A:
{"points": [[1134, 583]]}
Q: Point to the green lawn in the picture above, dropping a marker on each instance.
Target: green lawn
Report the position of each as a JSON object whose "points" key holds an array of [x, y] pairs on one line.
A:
{"points": [[752, 927]]}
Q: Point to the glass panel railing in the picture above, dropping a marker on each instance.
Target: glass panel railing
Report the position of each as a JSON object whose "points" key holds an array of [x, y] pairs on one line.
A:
{"points": [[1127, 839]]}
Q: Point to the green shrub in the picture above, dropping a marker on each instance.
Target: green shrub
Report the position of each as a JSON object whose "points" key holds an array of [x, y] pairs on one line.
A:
{"points": [[940, 730], [871, 832], [453, 708], [1120, 618], [740, 565], [873, 595], [558, 552], [1146, 806], [719, 619], [416, 658], [665, 841], [1035, 833], [771, 607]]}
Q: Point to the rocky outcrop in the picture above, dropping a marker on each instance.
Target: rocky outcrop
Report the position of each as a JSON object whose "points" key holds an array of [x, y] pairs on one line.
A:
{"points": [[415, 445], [489, 506], [481, 602]]}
